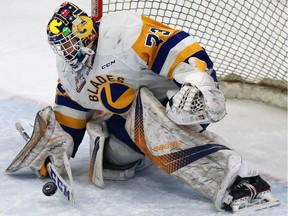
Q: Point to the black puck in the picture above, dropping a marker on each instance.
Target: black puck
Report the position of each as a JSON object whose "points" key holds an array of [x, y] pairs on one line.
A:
{"points": [[49, 188]]}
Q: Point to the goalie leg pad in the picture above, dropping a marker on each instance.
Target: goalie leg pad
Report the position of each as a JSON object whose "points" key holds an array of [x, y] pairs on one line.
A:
{"points": [[97, 132], [212, 175], [180, 150]]}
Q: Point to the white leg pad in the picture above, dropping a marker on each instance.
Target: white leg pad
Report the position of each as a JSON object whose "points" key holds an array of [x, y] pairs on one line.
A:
{"points": [[97, 141], [198, 159]]}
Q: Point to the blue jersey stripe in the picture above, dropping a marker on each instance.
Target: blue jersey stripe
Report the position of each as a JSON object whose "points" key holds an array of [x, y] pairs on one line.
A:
{"points": [[202, 55], [165, 49], [116, 126], [64, 101], [77, 135]]}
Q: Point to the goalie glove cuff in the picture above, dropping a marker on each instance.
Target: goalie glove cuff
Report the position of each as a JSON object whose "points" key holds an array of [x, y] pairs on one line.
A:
{"points": [[195, 73]]}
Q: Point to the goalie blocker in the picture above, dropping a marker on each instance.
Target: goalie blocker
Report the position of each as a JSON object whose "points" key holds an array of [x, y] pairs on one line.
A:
{"points": [[47, 149]]}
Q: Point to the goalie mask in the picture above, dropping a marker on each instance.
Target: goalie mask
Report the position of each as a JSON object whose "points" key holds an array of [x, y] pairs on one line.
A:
{"points": [[71, 34]]}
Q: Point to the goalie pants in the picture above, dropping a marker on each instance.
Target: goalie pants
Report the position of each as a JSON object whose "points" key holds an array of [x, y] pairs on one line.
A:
{"points": [[119, 148]]}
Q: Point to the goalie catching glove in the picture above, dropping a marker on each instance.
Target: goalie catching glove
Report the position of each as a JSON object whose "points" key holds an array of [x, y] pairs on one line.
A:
{"points": [[199, 101], [48, 142]]}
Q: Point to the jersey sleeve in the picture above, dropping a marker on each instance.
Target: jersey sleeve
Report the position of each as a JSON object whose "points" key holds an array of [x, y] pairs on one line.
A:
{"points": [[71, 116], [164, 48]]}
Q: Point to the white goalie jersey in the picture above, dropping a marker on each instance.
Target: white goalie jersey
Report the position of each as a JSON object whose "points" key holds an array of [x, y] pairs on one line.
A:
{"points": [[133, 51]]}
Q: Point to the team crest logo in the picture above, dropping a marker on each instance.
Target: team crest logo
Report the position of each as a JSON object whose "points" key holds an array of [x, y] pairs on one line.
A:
{"points": [[117, 97]]}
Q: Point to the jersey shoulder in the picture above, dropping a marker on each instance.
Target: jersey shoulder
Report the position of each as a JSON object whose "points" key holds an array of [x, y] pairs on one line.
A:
{"points": [[118, 31], [122, 18]]}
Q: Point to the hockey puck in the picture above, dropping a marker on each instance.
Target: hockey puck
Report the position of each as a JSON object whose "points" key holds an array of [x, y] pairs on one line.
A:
{"points": [[49, 188]]}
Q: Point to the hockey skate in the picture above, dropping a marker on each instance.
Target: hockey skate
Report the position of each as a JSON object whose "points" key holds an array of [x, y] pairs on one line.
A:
{"points": [[251, 194]]}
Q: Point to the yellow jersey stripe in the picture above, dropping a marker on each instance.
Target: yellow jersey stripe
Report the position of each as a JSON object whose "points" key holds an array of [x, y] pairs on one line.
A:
{"points": [[77, 114], [184, 54], [69, 121], [174, 53]]}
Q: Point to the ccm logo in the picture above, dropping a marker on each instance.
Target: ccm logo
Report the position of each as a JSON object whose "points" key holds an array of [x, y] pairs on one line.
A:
{"points": [[60, 184], [108, 64], [174, 144]]}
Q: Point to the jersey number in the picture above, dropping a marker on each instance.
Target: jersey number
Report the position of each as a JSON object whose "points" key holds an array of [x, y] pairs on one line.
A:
{"points": [[153, 38]]}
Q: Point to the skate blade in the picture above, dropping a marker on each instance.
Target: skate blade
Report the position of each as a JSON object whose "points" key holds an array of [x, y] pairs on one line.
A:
{"points": [[256, 206]]}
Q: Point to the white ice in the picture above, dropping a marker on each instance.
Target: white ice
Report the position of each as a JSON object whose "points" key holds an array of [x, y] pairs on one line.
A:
{"points": [[27, 84]]}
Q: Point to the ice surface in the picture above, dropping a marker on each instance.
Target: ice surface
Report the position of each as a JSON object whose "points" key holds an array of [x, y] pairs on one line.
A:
{"points": [[27, 84]]}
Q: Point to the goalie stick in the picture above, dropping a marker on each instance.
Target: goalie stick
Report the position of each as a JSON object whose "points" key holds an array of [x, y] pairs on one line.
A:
{"points": [[66, 189]]}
